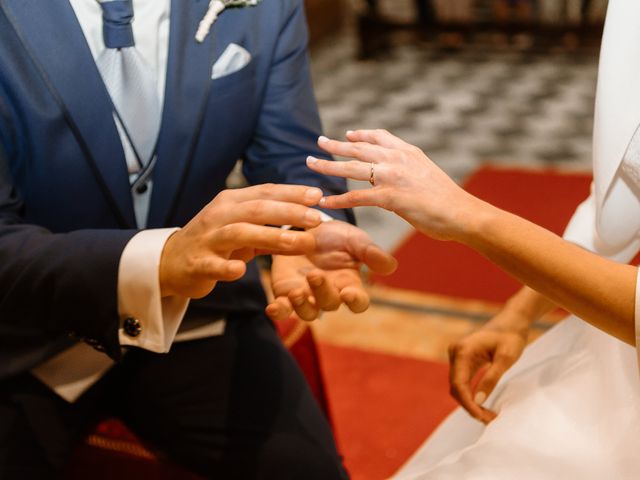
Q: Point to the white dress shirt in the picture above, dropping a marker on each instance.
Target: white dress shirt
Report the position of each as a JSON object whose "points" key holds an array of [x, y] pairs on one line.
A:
{"points": [[72, 372]]}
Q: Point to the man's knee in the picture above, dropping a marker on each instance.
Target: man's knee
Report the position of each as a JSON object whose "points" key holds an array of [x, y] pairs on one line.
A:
{"points": [[288, 456]]}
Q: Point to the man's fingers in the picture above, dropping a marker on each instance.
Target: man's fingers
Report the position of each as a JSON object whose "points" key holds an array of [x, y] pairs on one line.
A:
{"points": [[270, 212], [327, 296], [379, 261], [218, 268], [353, 169], [335, 260], [302, 195], [244, 254], [352, 291], [303, 305], [355, 198], [280, 309], [361, 151], [356, 298], [377, 137], [238, 236]]}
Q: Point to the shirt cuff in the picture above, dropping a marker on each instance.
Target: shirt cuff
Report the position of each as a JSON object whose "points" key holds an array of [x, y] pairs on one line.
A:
{"points": [[148, 321], [325, 217]]}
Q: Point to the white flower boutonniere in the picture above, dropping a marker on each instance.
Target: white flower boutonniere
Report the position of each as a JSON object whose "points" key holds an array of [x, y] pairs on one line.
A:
{"points": [[216, 7]]}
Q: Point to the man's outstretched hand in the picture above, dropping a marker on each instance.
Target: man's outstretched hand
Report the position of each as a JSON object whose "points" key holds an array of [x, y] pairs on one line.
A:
{"points": [[231, 230], [328, 277]]}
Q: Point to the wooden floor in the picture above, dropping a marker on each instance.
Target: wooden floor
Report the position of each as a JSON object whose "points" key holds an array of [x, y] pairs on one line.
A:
{"points": [[410, 324]]}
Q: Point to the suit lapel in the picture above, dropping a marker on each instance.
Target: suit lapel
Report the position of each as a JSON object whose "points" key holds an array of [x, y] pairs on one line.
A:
{"points": [[186, 94], [53, 37]]}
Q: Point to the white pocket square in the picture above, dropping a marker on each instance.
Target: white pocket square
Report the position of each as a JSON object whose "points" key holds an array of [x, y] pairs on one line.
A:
{"points": [[233, 59]]}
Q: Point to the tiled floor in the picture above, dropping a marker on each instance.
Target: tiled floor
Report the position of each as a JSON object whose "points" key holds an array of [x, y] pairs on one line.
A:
{"points": [[463, 108], [409, 324]]}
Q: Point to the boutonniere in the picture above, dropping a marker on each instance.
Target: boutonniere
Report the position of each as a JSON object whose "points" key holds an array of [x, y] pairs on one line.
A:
{"points": [[216, 7]]}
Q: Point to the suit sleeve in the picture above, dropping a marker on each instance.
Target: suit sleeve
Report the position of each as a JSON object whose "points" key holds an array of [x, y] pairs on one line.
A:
{"points": [[289, 124], [55, 284]]}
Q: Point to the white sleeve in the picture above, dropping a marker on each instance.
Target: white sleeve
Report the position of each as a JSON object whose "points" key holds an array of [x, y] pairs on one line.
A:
{"points": [[325, 217], [637, 316], [156, 319], [581, 230]]}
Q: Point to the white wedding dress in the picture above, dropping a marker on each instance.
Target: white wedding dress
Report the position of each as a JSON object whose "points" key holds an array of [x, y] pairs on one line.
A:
{"points": [[570, 407]]}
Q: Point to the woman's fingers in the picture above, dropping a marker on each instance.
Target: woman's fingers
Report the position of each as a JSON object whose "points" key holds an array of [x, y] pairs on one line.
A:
{"points": [[460, 376], [377, 137], [361, 151], [499, 365], [353, 169]]}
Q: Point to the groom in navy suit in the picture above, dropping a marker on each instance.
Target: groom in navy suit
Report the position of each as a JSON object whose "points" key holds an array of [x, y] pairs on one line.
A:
{"points": [[115, 135]]}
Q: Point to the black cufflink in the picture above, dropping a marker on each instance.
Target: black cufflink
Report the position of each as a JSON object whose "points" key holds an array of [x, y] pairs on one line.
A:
{"points": [[132, 327]]}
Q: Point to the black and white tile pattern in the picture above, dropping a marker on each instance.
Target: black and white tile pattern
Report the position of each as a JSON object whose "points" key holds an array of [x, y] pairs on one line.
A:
{"points": [[463, 108]]}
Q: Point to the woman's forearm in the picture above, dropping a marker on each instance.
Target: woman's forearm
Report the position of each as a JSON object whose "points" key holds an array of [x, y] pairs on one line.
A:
{"points": [[404, 180], [600, 291], [523, 308]]}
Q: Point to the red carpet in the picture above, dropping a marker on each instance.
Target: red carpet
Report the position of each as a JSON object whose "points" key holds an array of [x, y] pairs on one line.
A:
{"points": [[383, 406], [547, 198]]}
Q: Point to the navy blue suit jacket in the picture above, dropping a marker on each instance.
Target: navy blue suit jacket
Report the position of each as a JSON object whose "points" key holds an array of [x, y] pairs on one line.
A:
{"points": [[66, 211]]}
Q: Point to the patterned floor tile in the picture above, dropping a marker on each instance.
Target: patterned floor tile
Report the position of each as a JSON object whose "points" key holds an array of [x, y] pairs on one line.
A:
{"points": [[463, 108]]}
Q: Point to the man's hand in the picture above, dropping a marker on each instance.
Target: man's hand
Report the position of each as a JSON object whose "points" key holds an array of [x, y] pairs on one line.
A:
{"points": [[330, 276], [231, 230]]}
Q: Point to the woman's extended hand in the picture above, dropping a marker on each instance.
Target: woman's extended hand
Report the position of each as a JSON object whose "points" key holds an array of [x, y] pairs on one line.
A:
{"points": [[406, 182]]}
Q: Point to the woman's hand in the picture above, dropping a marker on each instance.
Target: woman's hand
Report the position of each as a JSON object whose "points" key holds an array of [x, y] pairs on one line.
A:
{"points": [[486, 354], [405, 181]]}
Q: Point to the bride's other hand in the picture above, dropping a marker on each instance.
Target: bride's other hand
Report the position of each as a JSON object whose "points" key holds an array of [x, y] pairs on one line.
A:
{"points": [[482, 358], [405, 181]]}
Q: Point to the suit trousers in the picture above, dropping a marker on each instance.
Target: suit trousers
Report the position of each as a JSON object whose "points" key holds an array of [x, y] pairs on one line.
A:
{"points": [[228, 407]]}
